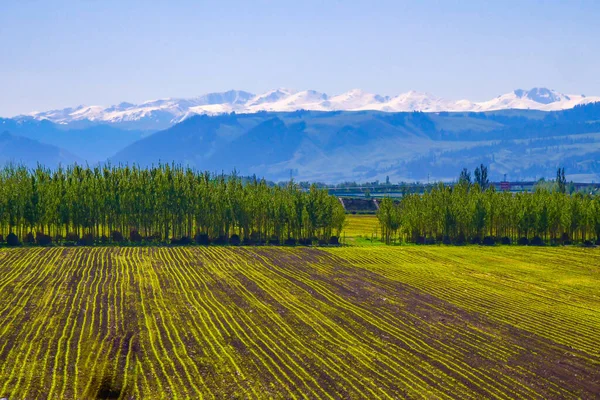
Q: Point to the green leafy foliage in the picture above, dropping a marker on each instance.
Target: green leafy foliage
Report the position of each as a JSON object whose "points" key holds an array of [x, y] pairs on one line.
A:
{"points": [[449, 214], [162, 203]]}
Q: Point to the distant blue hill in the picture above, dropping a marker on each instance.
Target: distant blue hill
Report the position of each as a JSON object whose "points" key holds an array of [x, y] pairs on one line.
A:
{"points": [[335, 146], [343, 145], [90, 142], [29, 152]]}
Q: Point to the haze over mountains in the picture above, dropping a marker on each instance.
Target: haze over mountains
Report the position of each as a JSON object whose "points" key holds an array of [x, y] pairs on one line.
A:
{"points": [[159, 114], [356, 136]]}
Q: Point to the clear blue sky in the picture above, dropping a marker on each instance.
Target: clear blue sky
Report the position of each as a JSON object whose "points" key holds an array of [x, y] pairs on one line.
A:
{"points": [[63, 53]]}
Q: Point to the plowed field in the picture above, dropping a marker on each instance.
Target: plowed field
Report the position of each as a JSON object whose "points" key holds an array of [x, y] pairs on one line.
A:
{"points": [[269, 322]]}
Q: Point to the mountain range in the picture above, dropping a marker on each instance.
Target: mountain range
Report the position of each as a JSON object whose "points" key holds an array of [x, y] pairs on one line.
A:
{"points": [[160, 114], [338, 146], [340, 139]]}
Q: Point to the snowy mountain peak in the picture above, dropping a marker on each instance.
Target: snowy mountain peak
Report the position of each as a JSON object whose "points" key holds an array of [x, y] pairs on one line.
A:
{"points": [[541, 95], [272, 96], [355, 99], [161, 113]]}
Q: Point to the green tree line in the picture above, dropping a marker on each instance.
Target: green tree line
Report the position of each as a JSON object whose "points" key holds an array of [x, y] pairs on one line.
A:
{"points": [[466, 213], [162, 203]]}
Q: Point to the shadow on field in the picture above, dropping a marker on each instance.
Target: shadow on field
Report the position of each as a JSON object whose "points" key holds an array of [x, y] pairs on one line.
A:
{"points": [[110, 384], [105, 387], [109, 389]]}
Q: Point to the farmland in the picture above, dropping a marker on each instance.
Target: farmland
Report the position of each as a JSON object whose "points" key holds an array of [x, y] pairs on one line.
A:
{"points": [[359, 228], [350, 322]]}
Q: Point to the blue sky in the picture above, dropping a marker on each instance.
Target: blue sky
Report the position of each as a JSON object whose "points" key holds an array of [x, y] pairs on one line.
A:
{"points": [[64, 53]]}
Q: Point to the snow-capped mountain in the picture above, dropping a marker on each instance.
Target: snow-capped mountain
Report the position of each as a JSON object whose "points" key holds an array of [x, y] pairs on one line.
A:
{"points": [[536, 99], [166, 112]]}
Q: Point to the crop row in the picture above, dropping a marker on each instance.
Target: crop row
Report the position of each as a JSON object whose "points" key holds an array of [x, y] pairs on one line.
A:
{"points": [[432, 332], [296, 323], [550, 292]]}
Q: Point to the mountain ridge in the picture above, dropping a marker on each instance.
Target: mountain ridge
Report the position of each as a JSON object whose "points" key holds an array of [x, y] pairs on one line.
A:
{"points": [[334, 146], [162, 113], [367, 145]]}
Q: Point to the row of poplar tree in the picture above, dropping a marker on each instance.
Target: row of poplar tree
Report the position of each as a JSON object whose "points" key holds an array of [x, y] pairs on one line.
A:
{"points": [[465, 213], [162, 203]]}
